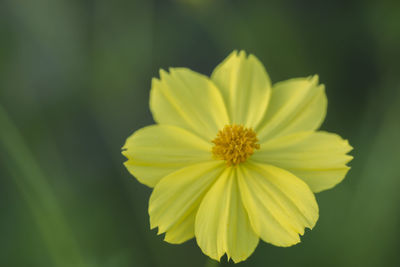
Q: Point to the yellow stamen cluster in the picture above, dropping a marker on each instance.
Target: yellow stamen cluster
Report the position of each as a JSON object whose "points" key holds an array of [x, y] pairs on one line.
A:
{"points": [[234, 144]]}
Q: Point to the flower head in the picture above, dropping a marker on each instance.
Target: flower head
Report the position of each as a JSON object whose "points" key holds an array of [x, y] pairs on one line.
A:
{"points": [[233, 159]]}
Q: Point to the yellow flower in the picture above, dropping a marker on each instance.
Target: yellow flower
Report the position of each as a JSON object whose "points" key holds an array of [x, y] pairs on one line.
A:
{"points": [[233, 159]]}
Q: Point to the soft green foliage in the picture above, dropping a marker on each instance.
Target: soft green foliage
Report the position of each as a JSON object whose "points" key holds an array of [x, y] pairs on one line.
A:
{"points": [[74, 82]]}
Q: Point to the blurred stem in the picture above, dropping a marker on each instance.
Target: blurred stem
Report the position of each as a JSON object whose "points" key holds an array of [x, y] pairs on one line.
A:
{"points": [[211, 263], [40, 198]]}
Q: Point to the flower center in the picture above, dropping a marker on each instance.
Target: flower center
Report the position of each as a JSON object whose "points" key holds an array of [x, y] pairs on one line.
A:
{"points": [[235, 144]]}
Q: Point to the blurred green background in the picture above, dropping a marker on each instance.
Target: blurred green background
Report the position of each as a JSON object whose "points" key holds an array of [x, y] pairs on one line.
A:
{"points": [[74, 83]]}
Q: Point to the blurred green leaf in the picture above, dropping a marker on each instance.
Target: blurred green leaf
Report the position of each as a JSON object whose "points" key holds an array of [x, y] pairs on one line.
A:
{"points": [[38, 195]]}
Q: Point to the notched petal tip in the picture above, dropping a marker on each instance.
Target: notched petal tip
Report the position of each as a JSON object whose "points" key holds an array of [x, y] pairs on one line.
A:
{"points": [[315, 82], [159, 231], [126, 162], [349, 158], [314, 79], [242, 54], [155, 82], [350, 147], [162, 73], [234, 53]]}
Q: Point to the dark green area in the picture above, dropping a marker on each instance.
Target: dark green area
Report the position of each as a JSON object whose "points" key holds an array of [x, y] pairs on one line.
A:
{"points": [[74, 83]]}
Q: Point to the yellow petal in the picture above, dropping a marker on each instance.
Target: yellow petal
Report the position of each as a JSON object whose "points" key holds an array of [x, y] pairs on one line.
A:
{"points": [[296, 105], [182, 230], [245, 86], [279, 204], [175, 199], [318, 158], [158, 150], [222, 224], [189, 100]]}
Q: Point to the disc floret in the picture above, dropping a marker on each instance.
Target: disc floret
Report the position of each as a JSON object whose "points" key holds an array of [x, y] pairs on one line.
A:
{"points": [[234, 144]]}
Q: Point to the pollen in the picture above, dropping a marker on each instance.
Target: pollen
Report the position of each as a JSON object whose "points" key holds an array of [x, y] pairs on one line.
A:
{"points": [[234, 144]]}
